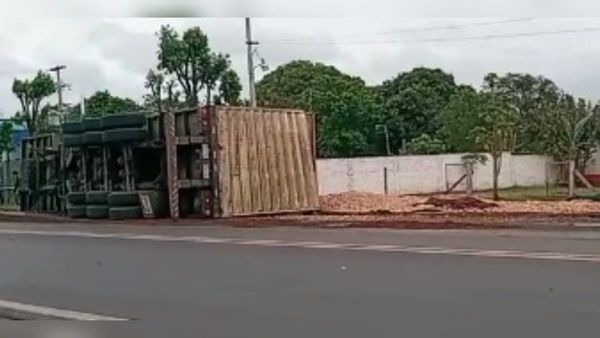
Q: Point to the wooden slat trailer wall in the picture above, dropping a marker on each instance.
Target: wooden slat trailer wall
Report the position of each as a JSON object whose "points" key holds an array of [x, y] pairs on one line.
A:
{"points": [[265, 161]]}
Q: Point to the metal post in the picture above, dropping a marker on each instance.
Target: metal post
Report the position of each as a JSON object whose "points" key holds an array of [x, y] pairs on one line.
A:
{"points": [[385, 181], [571, 179]]}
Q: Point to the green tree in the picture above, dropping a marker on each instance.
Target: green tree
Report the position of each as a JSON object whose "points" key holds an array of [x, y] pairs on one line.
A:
{"points": [[31, 93], [230, 88], [345, 107], [459, 118], [425, 145], [189, 59], [412, 103], [103, 103], [154, 82], [494, 132], [6, 147], [530, 96]]}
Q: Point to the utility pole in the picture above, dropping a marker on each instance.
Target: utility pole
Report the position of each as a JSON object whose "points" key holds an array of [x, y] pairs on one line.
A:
{"points": [[250, 49], [59, 84]]}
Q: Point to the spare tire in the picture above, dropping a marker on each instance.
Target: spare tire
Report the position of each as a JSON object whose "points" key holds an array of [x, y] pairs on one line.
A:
{"points": [[92, 138], [76, 198], [70, 140], [96, 197], [125, 135], [123, 199], [77, 211], [123, 121], [122, 213], [92, 124], [74, 127], [97, 211]]}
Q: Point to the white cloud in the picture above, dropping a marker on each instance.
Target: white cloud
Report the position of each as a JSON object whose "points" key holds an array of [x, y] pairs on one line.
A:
{"points": [[115, 53]]}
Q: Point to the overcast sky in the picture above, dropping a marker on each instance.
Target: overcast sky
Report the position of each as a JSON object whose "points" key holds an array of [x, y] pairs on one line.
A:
{"points": [[116, 53]]}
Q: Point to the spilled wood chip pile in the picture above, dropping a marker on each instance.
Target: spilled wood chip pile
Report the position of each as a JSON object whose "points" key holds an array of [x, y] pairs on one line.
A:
{"points": [[368, 203]]}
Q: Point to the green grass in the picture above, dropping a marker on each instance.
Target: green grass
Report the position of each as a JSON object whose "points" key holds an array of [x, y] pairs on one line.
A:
{"points": [[554, 193]]}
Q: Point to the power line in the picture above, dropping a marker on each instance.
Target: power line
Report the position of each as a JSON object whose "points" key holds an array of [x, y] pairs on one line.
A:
{"points": [[450, 39], [408, 30]]}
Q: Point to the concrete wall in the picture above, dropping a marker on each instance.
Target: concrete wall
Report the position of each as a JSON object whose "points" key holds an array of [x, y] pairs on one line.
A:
{"points": [[423, 174]]}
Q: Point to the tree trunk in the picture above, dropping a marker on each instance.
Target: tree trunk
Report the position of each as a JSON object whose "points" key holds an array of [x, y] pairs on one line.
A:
{"points": [[496, 174]]}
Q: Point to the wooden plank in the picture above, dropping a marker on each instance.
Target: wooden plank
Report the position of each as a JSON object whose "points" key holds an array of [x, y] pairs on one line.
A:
{"points": [[281, 161], [224, 154], [306, 148], [253, 160], [298, 164], [171, 147], [237, 206], [244, 165], [290, 172], [273, 189], [263, 160]]}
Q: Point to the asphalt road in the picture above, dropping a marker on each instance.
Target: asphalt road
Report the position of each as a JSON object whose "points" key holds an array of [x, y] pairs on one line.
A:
{"points": [[229, 290]]}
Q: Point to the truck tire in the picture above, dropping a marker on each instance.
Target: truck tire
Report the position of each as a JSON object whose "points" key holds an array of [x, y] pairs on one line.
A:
{"points": [[71, 140], [96, 197], [77, 211], [123, 213], [74, 127], [97, 211], [123, 199], [125, 135], [76, 198], [92, 124], [92, 138], [123, 121]]}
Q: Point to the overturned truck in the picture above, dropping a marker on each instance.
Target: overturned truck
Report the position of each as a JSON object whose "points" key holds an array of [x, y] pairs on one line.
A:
{"points": [[203, 162]]}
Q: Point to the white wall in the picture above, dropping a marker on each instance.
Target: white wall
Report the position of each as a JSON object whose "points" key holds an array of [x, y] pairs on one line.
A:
{"points": [[423, 174]]}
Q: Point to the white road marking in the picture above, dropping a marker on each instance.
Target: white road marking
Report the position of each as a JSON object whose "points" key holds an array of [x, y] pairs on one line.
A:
{"points": [[55, 313], [561, 256]]}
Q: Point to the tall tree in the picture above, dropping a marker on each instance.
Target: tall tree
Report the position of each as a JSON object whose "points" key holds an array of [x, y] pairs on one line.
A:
{"points": [[217, 65], [103, 103], [494, 132], [31, 93], [6, 147], [230, 87], [185, 57], [154, 82], [344, 106], [413, 101]]}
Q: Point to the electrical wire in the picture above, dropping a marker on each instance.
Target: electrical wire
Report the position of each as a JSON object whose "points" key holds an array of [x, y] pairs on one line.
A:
{"points": [[450, 39], [407, 30]]}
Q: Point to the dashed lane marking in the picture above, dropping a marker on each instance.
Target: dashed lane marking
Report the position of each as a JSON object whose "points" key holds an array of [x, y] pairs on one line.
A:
{"points": [[540, 255], [55, 313]]}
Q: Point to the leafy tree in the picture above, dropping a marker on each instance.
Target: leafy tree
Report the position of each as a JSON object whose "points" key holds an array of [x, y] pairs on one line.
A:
{"points": [[425, 145], [345, 107], [31, 93], [459, 118], [189, 59], [103, 103], [6, 147], [530, 96], [412, 103], [154, 82], [494, 131], [230, 87]]}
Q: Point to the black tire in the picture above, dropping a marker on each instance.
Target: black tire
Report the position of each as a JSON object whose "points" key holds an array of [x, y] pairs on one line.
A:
{"points": [[92, 124], [123, 199], [75, 127], [97, 211], [76, 198], [125, 135], [77, 211], [123, 121], [70, 140], [92, 138], [96, 197], [123, 213]]}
